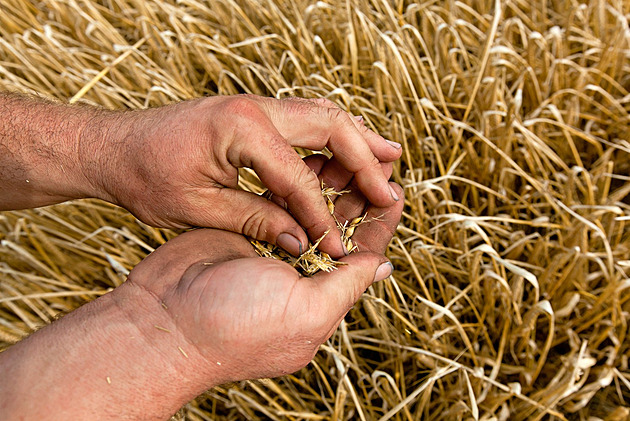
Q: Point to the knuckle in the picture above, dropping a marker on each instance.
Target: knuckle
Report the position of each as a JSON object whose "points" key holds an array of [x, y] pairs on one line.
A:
{"points": [[338, 115], [372, 166], [310, 102], [297, 106], [375, 165], [254, 225], [242, 106], [325, 102], [304, 176], [363, 129], [279, 146]]}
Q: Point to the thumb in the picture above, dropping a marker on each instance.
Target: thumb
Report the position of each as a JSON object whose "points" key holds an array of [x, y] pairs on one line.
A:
{"points": [[256, 217], [340, 289]]}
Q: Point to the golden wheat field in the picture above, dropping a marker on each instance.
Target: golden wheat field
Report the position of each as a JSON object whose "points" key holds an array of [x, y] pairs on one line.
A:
{"points": [[510, 298]]}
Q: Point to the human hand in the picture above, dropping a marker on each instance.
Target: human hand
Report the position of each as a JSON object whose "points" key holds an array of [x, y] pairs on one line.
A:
{"points": [[177, 166], [251, 317], [200, 311]]}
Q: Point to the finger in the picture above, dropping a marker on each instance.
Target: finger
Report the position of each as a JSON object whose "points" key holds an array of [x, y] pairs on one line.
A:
{"points": [[315, 162], [380, 225], [255, 217], [334, 175], [183, 251], [333, 128], [285, 174], [339, 290], [349, 205], [353, 204], [191, 246], [385, 150], [307, 109]]}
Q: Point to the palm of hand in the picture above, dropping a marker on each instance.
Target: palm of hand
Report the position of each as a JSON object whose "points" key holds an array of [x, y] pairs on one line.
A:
{"points": [[237, 308]]}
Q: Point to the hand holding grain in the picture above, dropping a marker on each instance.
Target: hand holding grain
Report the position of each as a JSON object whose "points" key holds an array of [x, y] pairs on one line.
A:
{"points": [[177, 166], [251, 317], [200, 311]]}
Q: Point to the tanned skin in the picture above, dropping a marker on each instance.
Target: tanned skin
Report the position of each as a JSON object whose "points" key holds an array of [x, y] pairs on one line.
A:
{"points": [[203, 309]]}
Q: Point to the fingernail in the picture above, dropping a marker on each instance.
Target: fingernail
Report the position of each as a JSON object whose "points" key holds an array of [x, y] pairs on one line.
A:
{"points": [[383, 271], [394, 144], [358, 118], [290, 243], [393, 192]]}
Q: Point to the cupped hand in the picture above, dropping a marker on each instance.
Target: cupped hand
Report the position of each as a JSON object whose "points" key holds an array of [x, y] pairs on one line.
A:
{"points": [[177, 166], [251, 317], [200, 311]]}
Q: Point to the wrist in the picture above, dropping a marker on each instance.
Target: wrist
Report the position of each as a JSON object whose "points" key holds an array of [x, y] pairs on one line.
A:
{"points": [[39, 141], [120, 354], [109, 153], [101, 153], [174, 359]]}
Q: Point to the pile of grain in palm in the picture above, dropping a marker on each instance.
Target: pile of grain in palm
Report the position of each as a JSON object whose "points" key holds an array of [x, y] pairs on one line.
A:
{"points": [[313, 259], [510, 297]]}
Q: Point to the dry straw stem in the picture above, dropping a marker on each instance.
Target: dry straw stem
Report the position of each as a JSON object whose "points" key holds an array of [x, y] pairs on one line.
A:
{"points": [[510, 298]]}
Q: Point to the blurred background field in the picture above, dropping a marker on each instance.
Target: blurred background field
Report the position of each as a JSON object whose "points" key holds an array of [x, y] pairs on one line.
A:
{"points": [[511, 294]]}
